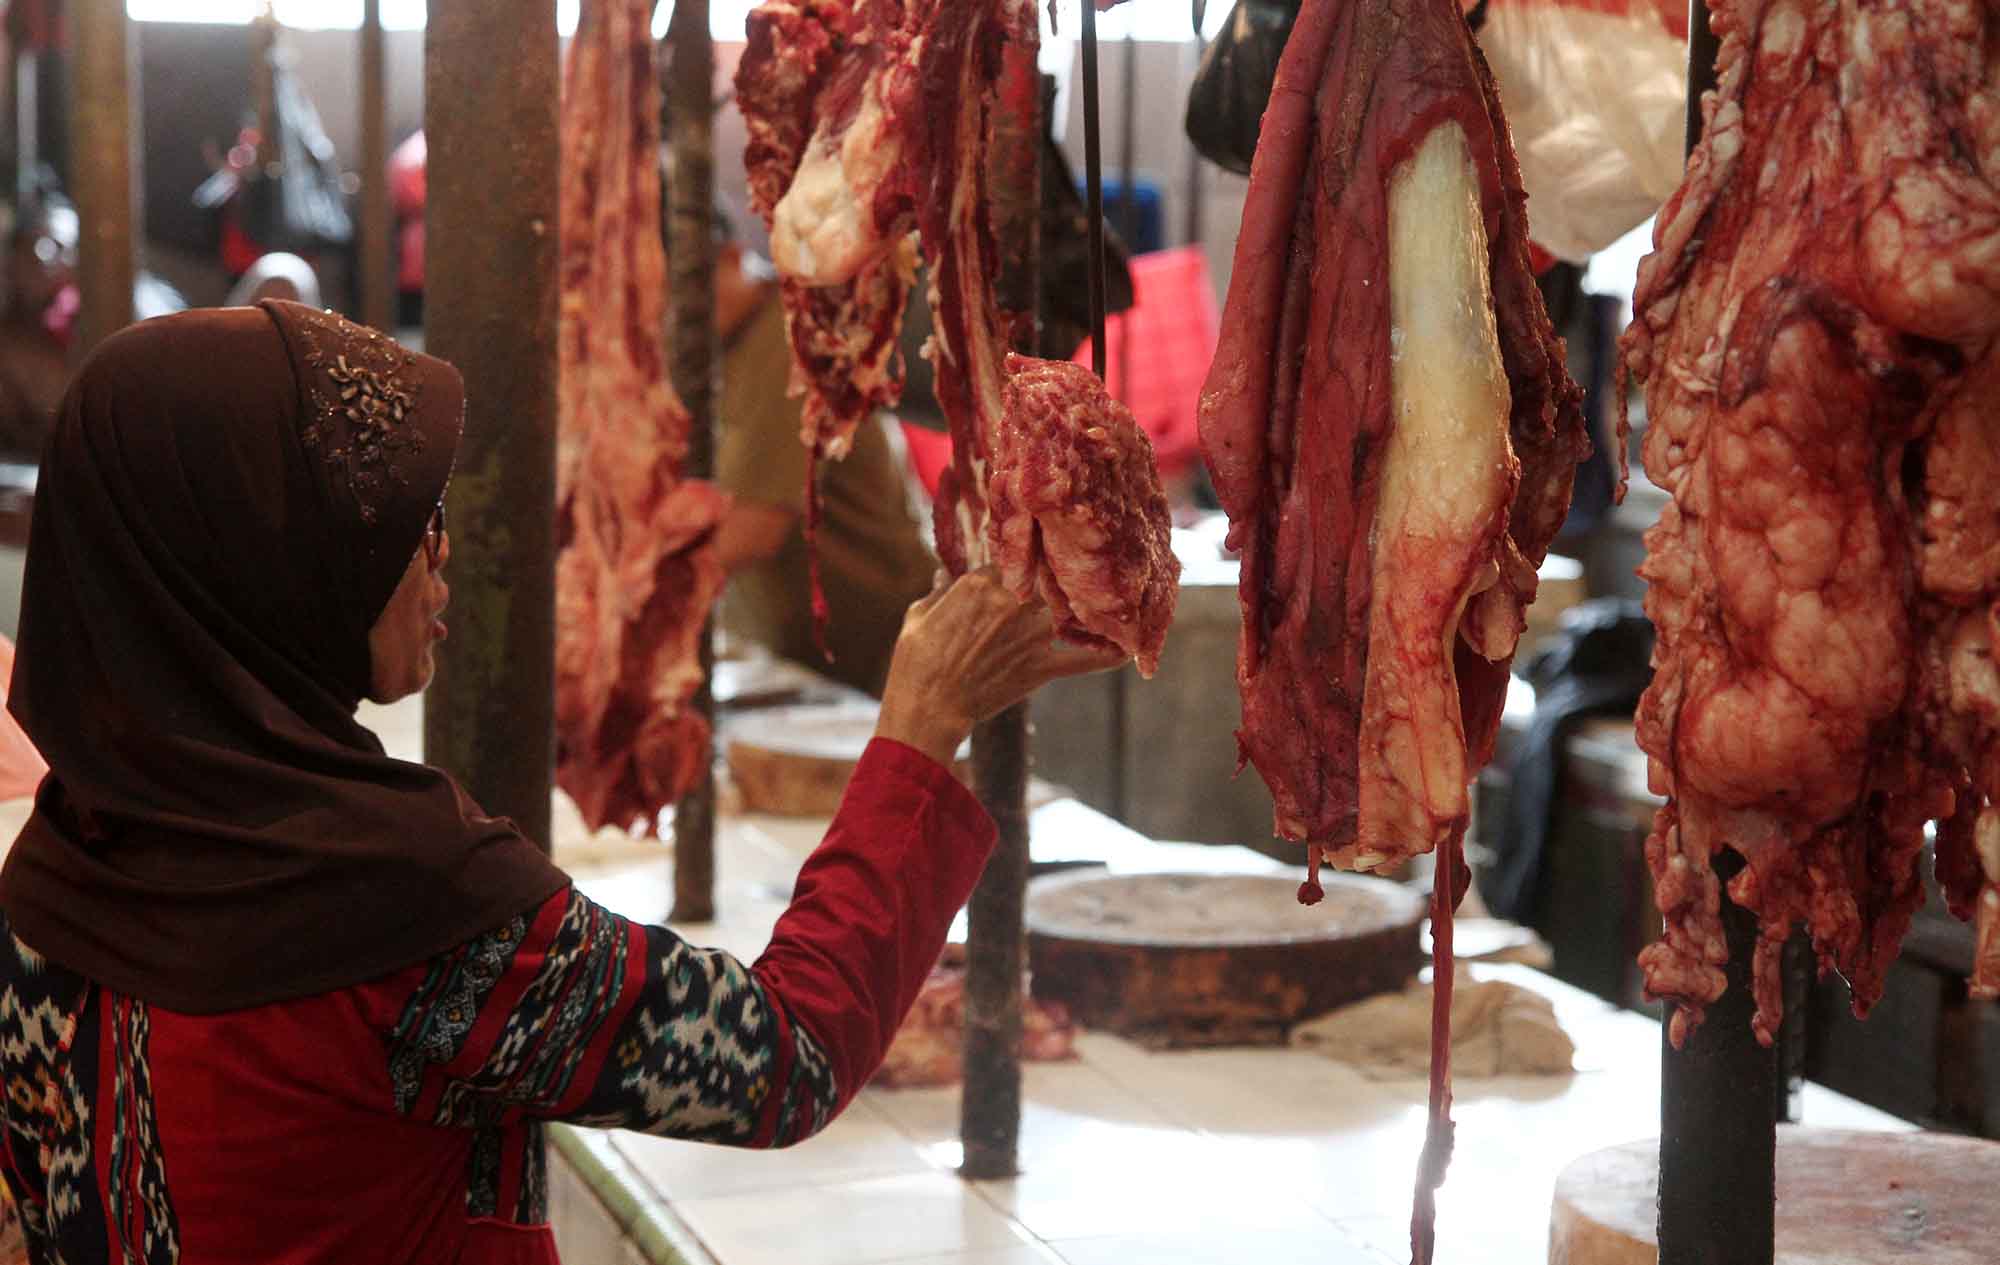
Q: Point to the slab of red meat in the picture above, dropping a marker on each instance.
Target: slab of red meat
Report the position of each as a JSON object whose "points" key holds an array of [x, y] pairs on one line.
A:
{"points": [[903, 94], [1384, 564], [1076, 510], [1389, 424], [1816, 333], [636, 574]]}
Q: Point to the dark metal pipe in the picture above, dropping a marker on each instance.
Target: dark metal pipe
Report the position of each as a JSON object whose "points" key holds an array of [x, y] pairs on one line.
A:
{"points": [[692, 341], [1128, 194], [103, 101], [1093, 183], [1192, 232], [378, 295], [1718, 1122], [490, 101], [1719, 1093], [990, 1104]]}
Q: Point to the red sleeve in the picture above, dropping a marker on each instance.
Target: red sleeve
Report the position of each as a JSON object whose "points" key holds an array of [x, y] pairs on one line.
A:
{"points": [[570, 1012], [872, 905]]}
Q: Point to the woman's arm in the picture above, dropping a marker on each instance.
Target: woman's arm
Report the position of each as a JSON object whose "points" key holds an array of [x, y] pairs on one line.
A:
{"points": [[573, 1013]]}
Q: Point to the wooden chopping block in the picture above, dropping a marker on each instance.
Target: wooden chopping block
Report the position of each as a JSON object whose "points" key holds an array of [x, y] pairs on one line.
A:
{"points": [[1844, 1198], [796, 761], [1174, 960]]}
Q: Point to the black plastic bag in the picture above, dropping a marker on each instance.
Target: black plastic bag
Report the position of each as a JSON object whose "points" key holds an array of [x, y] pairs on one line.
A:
{"points": [[299, 203], [1226, 103]]}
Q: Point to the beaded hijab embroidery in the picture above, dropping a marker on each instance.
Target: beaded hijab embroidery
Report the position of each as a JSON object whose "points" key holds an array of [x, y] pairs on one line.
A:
{"points": [[360, 403]]}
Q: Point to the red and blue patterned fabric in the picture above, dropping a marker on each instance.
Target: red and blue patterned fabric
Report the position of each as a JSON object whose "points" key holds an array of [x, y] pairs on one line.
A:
{"points": [[399, 1120]]}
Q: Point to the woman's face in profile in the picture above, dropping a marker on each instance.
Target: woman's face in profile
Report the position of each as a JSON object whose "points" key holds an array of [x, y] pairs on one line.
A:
{"points": [[402, 644]]}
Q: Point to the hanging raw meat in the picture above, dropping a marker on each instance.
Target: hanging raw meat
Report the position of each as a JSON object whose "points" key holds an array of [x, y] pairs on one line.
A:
{"points": [[1390, 427], [1816, 334], [1389, 424], [871, 121], [808, 99], [1076, 509], [637, 573]]}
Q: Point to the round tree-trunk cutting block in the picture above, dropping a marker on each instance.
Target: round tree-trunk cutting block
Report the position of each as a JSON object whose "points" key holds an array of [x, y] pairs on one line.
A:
{"points": [[1215, 959], [1844, 1198], [796, 761]]}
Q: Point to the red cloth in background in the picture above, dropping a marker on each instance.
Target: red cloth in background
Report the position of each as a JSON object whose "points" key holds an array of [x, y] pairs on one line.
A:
{"points": [[21, 766], [408, 183], [408, 188], [1173, 323], [930, 453]]}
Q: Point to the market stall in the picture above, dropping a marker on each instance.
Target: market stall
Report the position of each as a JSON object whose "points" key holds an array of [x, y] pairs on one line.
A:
{"points": [[1128, 1050]]}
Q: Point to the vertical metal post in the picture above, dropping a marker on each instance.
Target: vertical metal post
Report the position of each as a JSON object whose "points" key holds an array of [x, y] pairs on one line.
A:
{"points": [[990, 1105], [1719, 1092], [378, 287], [1093, 189], [1128, 202], [1194, 173], [105, 91], [490, 99], [692, 341]]}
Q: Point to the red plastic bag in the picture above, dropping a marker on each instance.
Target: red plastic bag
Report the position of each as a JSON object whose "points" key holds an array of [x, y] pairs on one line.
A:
{"points": [[1173, 324]]}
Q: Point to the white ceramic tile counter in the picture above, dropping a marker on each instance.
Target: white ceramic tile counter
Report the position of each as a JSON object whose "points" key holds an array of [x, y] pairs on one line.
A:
{"points": [[1129, 1157], [1188, 1158]]}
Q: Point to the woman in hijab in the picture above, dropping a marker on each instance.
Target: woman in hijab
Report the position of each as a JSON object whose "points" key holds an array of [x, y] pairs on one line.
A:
{"points": [[269, 995]]}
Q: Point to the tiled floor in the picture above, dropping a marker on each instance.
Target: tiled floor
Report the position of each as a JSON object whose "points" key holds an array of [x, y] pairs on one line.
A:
{"points": [[1129, 1157]]}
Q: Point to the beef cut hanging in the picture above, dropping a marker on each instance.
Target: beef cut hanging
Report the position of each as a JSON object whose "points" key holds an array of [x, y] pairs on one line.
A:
{"points": [[636, 573], [869, 122], [1390, 427], [1816, 332]]}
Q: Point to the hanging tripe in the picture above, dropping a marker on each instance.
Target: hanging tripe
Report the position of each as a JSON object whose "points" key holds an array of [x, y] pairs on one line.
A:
{"points": [[869, 123]]}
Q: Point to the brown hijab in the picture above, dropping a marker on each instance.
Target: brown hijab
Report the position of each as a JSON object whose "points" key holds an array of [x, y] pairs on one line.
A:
{"points": [[228, 501]]}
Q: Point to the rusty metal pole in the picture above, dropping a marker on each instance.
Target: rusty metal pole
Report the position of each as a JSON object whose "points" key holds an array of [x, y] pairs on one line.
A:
{"points": [[692, 342], [990, 1105], [103, 95], [378, 295], [1719, 1092], [490, 97]]}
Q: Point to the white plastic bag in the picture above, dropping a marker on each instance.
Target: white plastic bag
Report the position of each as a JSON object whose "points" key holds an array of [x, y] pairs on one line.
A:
{"points": [[1596, 96]]}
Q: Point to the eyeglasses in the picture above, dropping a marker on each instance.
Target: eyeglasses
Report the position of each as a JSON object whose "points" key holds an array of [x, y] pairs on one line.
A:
{"points": [[434, 538]]}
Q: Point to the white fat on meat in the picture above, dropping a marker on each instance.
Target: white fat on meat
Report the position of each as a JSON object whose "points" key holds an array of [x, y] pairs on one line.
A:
{"points": [[823, 231], [1447, 475]]}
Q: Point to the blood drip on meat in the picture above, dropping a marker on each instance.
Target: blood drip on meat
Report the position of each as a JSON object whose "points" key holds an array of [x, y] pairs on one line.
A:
{"points": [[901, 96], [1816, 333], [1389, 425], [636, 573]]}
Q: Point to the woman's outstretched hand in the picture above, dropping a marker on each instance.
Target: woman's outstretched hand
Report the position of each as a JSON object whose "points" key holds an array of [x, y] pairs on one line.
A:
{"points": [[967, 651]]}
